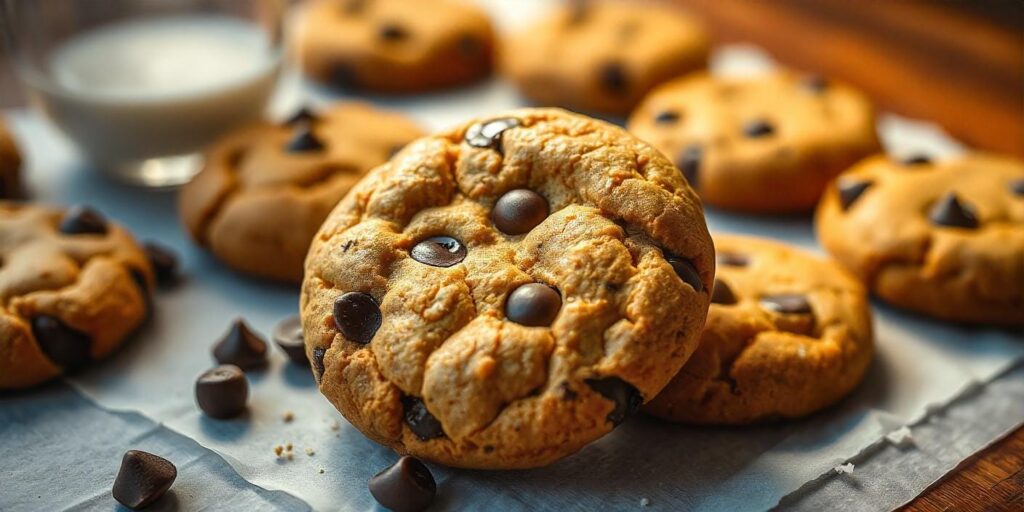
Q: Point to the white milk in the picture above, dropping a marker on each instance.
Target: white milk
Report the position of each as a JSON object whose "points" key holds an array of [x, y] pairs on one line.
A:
{"points": [[157, 87]]}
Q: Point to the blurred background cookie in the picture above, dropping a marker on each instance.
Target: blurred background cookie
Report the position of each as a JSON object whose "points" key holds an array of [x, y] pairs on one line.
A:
{"points": [[10, 165]]}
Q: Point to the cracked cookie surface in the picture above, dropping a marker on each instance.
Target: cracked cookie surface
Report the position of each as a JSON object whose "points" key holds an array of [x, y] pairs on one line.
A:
{"points": [[787, 334], [945, 238], [266, 188], [73, 286], [10, 165], [503, 293], [764, 144]]}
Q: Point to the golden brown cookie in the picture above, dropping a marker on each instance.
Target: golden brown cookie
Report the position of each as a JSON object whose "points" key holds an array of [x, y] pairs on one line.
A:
{"points": [[505, 292], [603, 56], [73, 287], [787, 334], [267, 187], [395, 46], [10, 165], [766, 144], [942, 238]]}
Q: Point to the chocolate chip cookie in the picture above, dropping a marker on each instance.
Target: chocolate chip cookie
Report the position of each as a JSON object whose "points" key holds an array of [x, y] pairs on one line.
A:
{"points": [[395, 46], [10, 165], [505, 292], [942, 238], [766, 144], [603, 56], [787, 334], [266, 188], [73, 287]]}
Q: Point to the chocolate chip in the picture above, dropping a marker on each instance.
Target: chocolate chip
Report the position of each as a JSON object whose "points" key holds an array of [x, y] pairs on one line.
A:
{"points": [[288, 336], [758, 128], [139, 277], [343, 76], [303, 115], [222, 392], [721, 293], [685, 270], [1017, 187], [814, 83], [917, 159], [850, 190], [533, 305], [613, 78], [732, 259], [164, 262], [142, 479], [470, 47], [488, 134], [83, 220], [419, 419], [318, 362], [392, 32], [407, 486], [627, 399], [439, 251], [688, 162], [304, 140], [666, 117], [787, 304], [241, 347], [357, 316], [518, 211], [949, 211], [66, 347]]}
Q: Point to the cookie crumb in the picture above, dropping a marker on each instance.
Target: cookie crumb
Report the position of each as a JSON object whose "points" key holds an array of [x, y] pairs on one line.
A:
{"points": [[288, 416], [900, 436], [278, 450], [335, 426], [844, 469], [310, 452], [288, 447], [322, 471], [644, 502]]}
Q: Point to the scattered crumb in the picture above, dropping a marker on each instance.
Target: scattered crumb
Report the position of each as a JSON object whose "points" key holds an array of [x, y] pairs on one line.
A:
{"points": [[335, 426], [322, 471], [310, 452], [900, 436], [278, 450], [284, 451], [288, 447], [844, 469], [288, 416], [644, 502]]}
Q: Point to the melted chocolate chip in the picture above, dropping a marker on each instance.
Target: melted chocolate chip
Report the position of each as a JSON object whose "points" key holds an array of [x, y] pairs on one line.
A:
{"points": [[304, 140], [303, 115], [533, 305], [487, 135], [721, 293], [518, 211], [288, 336], [241, 347], [1017, 187], [392, 32], [917, 159], [732, 259], [758, 128], [164, 263], [318, 362], [83, 220], [66, 347], [666, 117], [407, 486], [814, 83], [787, 304], [222, 392], [951, 212], [142, 479], [613, 78], [627, 399], [357, 316], [850, 189], [686, 271], [439, 251], [419, 419], [688, 162]]}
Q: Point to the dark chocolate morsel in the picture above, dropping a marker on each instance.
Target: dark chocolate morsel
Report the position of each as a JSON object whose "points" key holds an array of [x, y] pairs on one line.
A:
{"points": [[419, 419], [164, 262], [721, 293], [241, 347], [666, 117], [439, 251], [66, 347], [613, 78], [732, 259], [814, 83], [83, 220], [917, 159], [142, 479], [951, 212], [343, 76], [533, 305], [850, 189], [685, 270], [627, 399], [488, 134], [758, 128], [318, 362], [304, 140], [787, 303], [1017, 187], [407, 486], [222, 392], [470, 47], [357, 316], [288, 336], [392, 32], [518, 211], [688, 163], [303, 115]]}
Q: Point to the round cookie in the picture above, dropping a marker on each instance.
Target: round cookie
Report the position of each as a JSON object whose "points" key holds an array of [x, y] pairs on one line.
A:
{"points": [[787, 334], [395, 46], [73, 287], [505, 292], [945, 239], [767, 144], [267, 187], [10, 165], [603, 56]]}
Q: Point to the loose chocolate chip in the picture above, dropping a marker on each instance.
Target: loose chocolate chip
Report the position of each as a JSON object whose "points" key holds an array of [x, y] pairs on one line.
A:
{"points": [[613, 78], [814, 83], [318, 362], [627, 399], [222, 392], [686, 271], [688, 162], [732, 259], [721, 293], [288, 336], [164, 263], [787, 304], [304, 140], [303, 115], [241, 347], [357, 316], [66, 347], [533, 305], [142, 479], [666, 117], [407, 486], [850, 190], [392, 32], [419, 419], [917, 159], [518, 211], [83, 220], [758, 128], [949, 211], [439, 251], [488, 134], [1017, 187]]}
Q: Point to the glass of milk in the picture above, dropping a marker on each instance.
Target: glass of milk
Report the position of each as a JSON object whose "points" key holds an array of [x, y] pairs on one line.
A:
{"points": [[140, 86]]}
